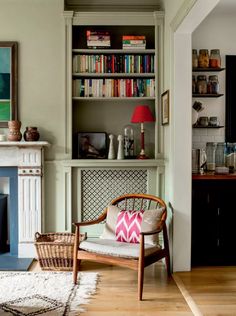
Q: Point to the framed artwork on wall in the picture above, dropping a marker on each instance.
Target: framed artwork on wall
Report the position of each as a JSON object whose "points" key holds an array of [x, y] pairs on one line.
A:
{"points": [[165, 108], [92, 145], [8, 82]]}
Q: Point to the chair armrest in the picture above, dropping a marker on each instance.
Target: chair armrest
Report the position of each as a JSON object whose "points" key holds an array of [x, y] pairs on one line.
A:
{"points": [[151, 232], [95, 221]]}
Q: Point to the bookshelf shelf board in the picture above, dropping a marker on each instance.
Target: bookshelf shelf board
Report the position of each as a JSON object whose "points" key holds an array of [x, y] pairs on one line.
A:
{"points": [[113, 51], [112, 98], [116, 75]]}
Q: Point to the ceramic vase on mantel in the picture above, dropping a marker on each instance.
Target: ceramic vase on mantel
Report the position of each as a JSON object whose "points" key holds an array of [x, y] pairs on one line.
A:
{"points": [[31, 134], [14, 134]]}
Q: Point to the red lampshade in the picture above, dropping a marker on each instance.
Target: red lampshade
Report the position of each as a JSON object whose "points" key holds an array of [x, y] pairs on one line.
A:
{"points": [[142, 114]]}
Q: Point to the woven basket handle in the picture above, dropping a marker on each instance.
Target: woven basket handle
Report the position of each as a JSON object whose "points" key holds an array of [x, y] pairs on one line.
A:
{"points": [[37, 235]]}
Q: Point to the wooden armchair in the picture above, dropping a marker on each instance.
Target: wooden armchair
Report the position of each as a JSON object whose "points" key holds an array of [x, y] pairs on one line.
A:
{"points": [[132, 255]]}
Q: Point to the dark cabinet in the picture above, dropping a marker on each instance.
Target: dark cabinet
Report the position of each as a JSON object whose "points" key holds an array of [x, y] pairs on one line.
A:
{"points": [[230, 108], [213, 222]]}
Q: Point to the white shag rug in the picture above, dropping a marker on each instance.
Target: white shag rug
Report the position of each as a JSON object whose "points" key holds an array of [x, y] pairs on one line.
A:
{"points": [[45, 293]]}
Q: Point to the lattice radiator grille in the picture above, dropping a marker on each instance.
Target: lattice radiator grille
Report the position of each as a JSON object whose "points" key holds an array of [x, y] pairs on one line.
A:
{"points": [[99, 187]]}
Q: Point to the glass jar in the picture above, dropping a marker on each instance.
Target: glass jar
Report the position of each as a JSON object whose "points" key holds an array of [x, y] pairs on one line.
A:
{"points": [[210, 152], [203, 58], [215, 59], [213, 86], [220, 155], [194, 84], [201, 84], [128, 142], [230, 156], [194, 58]]}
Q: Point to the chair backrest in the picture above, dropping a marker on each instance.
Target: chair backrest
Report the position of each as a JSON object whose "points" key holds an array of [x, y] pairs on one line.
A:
{"points": [[140, 201]]}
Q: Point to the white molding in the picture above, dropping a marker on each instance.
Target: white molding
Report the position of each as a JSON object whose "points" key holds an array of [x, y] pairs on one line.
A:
{"points": [[182, 13], [106, 163], [115, 18]]}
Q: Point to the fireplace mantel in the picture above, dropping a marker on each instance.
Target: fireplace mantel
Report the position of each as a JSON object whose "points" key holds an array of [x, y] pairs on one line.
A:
{"points": [[28, 157]]}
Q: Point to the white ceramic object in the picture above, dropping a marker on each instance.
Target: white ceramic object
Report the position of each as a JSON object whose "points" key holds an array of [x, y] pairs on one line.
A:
{"points": [[120, 153], [111, 152], [194, 116]]}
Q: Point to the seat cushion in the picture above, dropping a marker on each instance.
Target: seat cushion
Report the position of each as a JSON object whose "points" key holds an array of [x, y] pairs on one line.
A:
{"points": [[116, 248], [150, 221]]}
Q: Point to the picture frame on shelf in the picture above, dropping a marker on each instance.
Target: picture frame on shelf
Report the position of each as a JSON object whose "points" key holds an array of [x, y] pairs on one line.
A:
{"points": [[165, 110], [92, 145], [8, 82]]}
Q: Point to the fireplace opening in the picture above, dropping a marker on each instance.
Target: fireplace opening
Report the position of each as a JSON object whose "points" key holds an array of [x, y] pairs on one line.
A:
{"points": [[8, 211], [4, 236]]}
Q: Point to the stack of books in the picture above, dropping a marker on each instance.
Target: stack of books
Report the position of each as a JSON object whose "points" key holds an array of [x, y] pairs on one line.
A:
{"points": [[133, 42], [98, 39]]}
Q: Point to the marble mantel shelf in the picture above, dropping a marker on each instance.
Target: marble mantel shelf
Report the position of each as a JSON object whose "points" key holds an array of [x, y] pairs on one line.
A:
{"points": [[24, 144]]}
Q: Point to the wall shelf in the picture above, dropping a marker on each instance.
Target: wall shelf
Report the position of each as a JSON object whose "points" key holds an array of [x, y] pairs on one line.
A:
{"points": [[208, 69], [207, 95], [208, 126]]}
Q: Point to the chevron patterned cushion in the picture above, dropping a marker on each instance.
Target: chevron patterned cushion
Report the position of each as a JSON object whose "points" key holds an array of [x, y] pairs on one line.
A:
{"points": [[128, 226], [149, 222]]}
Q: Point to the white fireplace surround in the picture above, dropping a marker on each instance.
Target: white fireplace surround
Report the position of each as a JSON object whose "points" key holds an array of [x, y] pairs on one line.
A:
{"points": [[28, 157]]}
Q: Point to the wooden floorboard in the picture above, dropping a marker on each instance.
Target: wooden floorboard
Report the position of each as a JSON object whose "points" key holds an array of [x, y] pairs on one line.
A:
{"points": [[213, 289], [208, 291], [117, 292]]}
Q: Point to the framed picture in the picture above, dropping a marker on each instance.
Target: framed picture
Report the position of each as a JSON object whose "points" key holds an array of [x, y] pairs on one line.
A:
{"points": [[92, 145], [165, 108], [8, 82]]}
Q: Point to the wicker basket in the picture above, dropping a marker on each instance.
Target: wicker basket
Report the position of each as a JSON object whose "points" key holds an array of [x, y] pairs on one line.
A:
{"points": [[55, 251]]}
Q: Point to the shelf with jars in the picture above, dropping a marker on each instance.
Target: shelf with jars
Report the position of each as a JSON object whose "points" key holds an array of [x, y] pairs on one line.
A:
{"points": [[203, 86]]}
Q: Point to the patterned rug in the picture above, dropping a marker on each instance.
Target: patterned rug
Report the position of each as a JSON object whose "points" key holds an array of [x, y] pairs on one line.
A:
{"points": [[45, 293]]}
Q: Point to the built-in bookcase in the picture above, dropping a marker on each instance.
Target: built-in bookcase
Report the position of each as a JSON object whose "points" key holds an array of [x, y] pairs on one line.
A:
{"points": [[106, 84], [102, 91]]}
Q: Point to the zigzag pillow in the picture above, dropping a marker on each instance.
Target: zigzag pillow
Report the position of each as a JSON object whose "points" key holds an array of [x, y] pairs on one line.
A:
{"points": [[128, 226], [150, 221]]}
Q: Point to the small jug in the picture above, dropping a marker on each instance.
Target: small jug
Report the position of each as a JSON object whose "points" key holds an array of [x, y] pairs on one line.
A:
{"points": [[31, 134], [14, 134]]}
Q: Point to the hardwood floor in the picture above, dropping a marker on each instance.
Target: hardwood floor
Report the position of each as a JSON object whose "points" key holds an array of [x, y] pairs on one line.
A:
{"points": [[213, 289], [209, 291], [117, 293]]}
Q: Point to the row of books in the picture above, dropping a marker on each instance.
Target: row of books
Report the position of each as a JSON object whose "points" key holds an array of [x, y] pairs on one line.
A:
{"points": [[113, 88], [98, 39], [133, 42], [114, 63]]}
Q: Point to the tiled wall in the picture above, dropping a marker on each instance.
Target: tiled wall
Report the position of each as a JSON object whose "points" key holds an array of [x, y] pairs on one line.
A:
{"points": [[203, 135]]}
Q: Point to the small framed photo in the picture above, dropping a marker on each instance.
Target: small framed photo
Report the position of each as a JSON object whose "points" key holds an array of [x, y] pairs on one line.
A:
{"points": [[8, 82], [92, 145], [165, 108]]}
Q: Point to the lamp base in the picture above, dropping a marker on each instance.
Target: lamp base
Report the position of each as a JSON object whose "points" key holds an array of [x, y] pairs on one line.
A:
{"points": [[142, 156]]}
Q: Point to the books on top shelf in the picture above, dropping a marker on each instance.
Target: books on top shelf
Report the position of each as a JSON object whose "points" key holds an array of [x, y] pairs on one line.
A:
{"points": [[98, 39], [134, 42]]}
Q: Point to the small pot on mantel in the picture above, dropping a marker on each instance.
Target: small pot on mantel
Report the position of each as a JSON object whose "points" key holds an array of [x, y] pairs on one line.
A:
{"points": [[31, 134], [14, 134]]}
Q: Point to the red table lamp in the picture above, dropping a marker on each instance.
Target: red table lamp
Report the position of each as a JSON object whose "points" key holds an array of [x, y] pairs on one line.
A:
{"points": [[141, 114]]}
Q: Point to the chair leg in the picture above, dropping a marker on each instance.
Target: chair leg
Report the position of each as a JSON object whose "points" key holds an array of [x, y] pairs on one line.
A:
{"points": [[140, 281], [141, 268], [167, 259], [75, 260]]}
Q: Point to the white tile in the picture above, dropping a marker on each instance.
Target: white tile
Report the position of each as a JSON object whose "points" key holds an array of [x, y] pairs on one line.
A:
{"points": [[219, 139], [206, 139], [196, 139]]}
